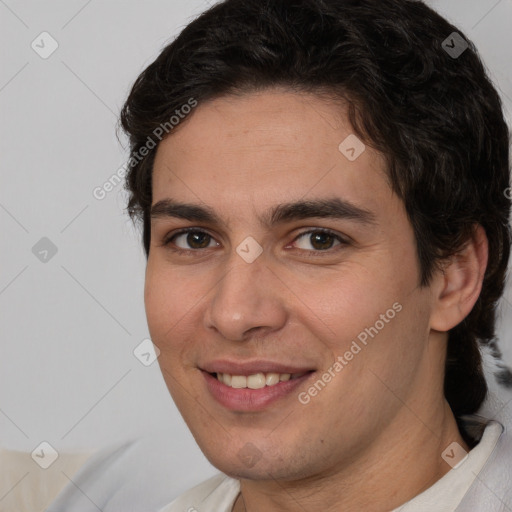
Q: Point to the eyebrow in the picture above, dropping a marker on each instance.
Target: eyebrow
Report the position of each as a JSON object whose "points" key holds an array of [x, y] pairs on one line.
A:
{"points": [[333, 208]]}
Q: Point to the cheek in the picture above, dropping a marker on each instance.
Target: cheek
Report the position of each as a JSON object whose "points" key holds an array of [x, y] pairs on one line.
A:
{"points": [[166, 304], [396, 343], [174, 302], [157, 304], [353, 299], [167, 301], [377, 307]]}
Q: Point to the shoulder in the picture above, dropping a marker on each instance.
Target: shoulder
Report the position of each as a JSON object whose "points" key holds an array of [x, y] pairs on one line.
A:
{"points": [[216, 494], [492, 489], [139, 475]]}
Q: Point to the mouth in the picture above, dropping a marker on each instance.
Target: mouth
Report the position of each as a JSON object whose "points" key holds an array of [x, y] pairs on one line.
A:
{"points": [[256, 380], [255, 391]]}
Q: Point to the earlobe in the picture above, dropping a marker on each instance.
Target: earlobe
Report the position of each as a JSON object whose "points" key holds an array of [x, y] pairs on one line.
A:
{"points": [[460, 282]]}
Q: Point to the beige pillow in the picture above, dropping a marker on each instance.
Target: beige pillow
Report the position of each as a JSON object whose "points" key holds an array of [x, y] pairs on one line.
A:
{"points": [[26, 487]]}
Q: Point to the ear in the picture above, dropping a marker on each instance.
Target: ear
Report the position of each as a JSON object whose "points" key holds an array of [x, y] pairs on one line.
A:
{"points": [[458, 285]]}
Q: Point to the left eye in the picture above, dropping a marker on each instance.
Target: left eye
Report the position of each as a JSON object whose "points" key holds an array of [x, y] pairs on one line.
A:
{"points": [[320, 239]]}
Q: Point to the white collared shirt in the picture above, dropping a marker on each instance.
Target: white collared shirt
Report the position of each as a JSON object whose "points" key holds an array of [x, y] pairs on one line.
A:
{"points": [[218, 494]]}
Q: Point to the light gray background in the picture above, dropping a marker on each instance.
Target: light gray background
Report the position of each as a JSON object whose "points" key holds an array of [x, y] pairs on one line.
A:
{"points": [[69, 326]]}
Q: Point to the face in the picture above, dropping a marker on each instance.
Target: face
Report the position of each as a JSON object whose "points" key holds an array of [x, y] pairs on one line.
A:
{"points": [[298, 260]]}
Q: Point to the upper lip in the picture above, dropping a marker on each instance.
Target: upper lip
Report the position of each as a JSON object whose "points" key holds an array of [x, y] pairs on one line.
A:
{"points": [[252, 367]]}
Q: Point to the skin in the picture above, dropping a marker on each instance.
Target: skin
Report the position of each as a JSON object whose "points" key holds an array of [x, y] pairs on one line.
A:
{"points": [[370, 440]]}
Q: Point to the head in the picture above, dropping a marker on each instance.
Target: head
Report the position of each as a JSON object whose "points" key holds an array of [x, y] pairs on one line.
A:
{"points": [[239, 125]]}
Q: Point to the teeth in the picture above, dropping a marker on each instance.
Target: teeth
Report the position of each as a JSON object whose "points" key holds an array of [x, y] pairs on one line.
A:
{"points": [[238, 381], [255, 381], [272, 378]]}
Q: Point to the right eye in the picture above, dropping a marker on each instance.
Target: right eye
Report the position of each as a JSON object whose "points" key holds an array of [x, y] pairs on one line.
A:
{"points": [[196, 240]]}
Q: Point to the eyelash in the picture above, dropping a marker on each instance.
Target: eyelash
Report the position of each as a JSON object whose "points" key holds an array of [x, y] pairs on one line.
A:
{"points": [[343, 242]]}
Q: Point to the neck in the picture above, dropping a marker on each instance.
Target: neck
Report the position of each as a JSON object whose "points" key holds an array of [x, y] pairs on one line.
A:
{"points": [[404, 461]]}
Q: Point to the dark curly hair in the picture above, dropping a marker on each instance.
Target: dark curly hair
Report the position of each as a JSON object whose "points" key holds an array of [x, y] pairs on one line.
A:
{"points": [[435, 117]]}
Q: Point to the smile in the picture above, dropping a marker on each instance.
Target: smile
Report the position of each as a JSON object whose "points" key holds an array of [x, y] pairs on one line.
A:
{"points": [[256, 380], [253, 392]]}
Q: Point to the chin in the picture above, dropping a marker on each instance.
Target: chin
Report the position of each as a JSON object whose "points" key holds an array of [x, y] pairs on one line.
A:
{"points": [[252, 463]]}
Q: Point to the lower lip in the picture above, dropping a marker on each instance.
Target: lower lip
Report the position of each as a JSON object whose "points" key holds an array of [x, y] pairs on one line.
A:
{"points": [[245, 399]]}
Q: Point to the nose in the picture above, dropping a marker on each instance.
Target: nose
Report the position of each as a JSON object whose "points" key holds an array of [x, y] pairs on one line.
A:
{"points": [[248, 300]]}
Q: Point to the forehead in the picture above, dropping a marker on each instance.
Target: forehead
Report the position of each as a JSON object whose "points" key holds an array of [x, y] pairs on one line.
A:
{"points": [[262, 149]]}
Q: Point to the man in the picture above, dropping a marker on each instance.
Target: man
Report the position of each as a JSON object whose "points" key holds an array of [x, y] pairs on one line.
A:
{"points": [[325, 223], [325, 219]]}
